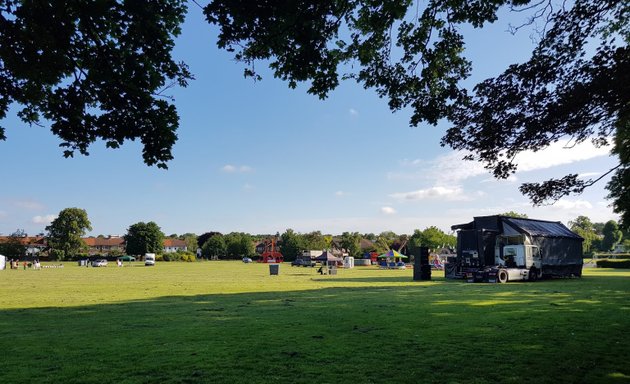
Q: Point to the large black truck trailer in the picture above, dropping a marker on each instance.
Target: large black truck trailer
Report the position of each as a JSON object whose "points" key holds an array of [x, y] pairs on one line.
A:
{"points": [[502, 248]]}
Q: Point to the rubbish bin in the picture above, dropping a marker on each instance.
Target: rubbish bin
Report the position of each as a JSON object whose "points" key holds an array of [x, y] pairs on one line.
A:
{"points": [[274, 269], [82, 263]]}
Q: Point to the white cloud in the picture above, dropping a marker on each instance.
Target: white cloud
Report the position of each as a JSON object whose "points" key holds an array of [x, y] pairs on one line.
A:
{"points": [[438, 192], [559, 153], [450, 168], [44, 219], [248, 187], [388, 211], [341, 194], [566, 204], [353, 112], [229, 168], [3, 214], [443, 170]]}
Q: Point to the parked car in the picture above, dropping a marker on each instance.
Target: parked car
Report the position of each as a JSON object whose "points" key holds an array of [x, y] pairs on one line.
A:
{"points": [[127, 258], [99, 263], [247, 260], [302, 263]]}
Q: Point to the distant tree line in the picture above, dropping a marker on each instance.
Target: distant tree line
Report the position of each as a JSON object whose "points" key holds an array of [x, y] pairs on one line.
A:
{"points": [[65, 234], [600, 237]]}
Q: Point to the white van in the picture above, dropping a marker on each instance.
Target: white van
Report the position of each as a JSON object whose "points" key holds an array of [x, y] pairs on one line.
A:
{"points": [[149, 259]]}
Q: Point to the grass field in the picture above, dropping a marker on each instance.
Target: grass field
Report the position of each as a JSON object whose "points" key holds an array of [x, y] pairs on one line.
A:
{"points": [[229, 322]]}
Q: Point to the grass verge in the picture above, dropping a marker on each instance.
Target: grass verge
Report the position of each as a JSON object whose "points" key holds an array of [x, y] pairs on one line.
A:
{"points": [[228, 322]]}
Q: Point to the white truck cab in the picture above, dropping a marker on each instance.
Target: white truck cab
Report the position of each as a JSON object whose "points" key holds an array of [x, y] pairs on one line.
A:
{"points": [[149, 259], [520, 262]]}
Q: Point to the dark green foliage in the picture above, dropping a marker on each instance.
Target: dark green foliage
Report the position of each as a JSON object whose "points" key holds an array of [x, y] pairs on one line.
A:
{"points": [[214, 247], [13, 247], [56, 254], [315, 240], [201, 239], [619, 185], [66, 231], [351, 243], [179, 256], [583, 226], [238, 245], [575, 85], [292, 245], [432, 238], [94, 70], [144, 238], [612, 236], [607, 263]]}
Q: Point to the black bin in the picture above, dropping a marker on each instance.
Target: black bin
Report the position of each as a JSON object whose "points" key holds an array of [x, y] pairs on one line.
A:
{"points": [[421, 266]]}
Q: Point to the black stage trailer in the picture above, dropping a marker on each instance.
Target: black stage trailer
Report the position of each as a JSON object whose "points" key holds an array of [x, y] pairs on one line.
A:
{"points": [[486, 244]]}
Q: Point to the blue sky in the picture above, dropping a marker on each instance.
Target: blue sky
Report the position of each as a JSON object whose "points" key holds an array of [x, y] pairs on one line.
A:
{"points": [[259, 157]]}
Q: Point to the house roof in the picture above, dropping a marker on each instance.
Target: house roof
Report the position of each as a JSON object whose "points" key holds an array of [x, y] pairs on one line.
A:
{"points": [[104, 241], [174, 243], [28, 240]]}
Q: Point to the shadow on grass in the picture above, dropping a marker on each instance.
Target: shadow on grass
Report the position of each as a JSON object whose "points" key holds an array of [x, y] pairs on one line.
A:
{"points": [[379, 279], [442, 332]]}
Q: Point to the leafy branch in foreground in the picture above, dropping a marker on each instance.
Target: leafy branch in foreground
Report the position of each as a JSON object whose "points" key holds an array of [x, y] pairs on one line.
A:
{"points": [[94, 71], [574, 86]]}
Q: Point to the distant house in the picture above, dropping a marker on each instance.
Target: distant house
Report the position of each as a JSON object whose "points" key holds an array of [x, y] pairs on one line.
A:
{"points": [[35, 245], [104, 245], [174, 245]]}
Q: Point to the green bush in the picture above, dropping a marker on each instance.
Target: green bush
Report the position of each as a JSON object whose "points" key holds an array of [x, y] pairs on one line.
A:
{"points": [[80, 256], [616, 263], [56, 254], [178, 256]]}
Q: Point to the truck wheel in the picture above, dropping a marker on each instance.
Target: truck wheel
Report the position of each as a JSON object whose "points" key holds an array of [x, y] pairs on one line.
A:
{"points": [[502, 276], [533, 274]]}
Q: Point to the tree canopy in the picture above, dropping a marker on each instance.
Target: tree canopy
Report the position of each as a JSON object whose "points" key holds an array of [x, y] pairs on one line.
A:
{"points": [[351, 242], [574, 86], [432, 238], [238, 245], [99, 71], [94, 71], [144, 238], [214, 247], [612, 235], [66, 231]]}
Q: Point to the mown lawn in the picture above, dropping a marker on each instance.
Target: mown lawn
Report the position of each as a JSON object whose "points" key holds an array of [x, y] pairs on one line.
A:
{"points": [[229, 322]]}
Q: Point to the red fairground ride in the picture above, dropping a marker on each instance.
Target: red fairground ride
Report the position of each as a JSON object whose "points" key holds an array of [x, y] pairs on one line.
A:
{"points": [[270, 255]]}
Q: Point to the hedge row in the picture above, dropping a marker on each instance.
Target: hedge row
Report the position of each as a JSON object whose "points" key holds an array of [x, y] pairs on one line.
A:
{"points": [[608, 263]]}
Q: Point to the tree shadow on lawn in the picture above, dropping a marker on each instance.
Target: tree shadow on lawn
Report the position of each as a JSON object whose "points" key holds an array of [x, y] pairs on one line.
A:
{"points": [[379, 279], [442, 332]]}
